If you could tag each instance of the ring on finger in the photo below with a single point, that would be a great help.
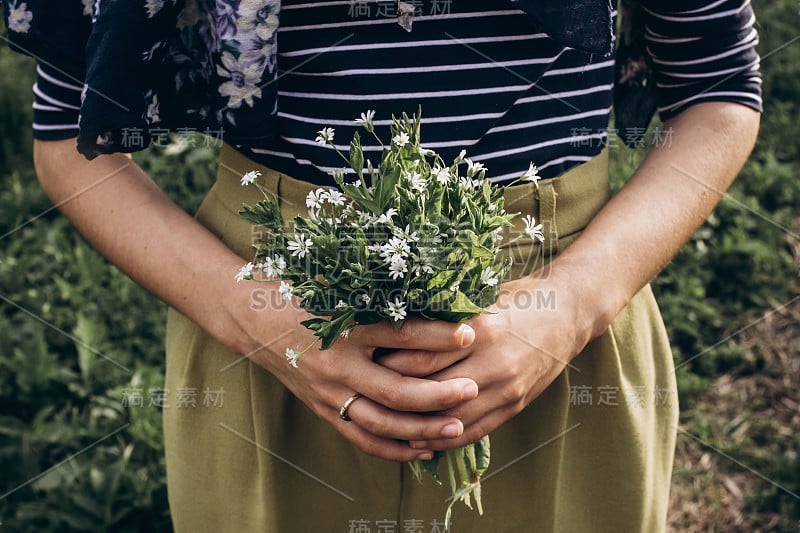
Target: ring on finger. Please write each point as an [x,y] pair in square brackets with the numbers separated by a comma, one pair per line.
[343,411]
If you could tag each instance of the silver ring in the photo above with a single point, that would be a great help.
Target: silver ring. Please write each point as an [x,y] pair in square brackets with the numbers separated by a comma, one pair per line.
[347,404]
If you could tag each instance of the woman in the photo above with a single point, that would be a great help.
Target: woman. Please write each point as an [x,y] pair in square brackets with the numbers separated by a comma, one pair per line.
[579,394]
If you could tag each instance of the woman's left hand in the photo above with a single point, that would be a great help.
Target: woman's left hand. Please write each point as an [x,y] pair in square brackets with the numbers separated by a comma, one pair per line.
[520,350]
[535,330]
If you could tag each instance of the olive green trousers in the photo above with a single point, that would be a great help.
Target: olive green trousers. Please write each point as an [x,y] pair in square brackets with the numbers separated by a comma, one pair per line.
[593,453]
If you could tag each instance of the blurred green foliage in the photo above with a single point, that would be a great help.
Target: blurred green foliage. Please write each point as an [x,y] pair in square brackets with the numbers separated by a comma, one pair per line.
[76,338]
[76,335]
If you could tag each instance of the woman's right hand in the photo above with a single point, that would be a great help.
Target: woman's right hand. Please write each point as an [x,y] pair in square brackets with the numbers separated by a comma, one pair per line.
[392,409]
[132,223]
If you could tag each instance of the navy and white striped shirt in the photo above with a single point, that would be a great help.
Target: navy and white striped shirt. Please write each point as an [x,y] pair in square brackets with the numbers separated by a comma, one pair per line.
[488,80]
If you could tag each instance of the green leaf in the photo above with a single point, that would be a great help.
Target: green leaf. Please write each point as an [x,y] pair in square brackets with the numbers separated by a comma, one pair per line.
[445,306]
[372,174]
[487,296]
[266,213]
[440,298]
[462,304]
[442,279]
[482,455]
[431,466]
[357,155]
[478,249]
[90,333]
[329,330]
[368,317]
[362,197]
[313,323]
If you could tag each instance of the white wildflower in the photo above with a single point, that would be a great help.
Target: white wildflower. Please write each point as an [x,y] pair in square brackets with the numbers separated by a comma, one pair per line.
[386,218]
[498,235]
[416,180]
[396,309]
[425,152]
[250,177]
[300,246]
[460,157]
[442,174]
[273,266]
[395,247]
[280,265]
[341,304]
[398,267]
[401,139]
[334,197]
[406,233]
[532,174]
[533,230]
[488,277]
[268,266]
[474,168]
[315,198]
[366,299]
[246,272]
[292,357]
[285,290]
[338,174]
[366,120]
[422,265]
[324,136]
[468,183]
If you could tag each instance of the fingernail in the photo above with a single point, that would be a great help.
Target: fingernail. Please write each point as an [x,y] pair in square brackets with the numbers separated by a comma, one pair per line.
[427,456]
[469,391]
[451,430]
[465,335]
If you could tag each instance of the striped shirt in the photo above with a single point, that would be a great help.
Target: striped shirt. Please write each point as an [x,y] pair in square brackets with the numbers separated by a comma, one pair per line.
[489,81]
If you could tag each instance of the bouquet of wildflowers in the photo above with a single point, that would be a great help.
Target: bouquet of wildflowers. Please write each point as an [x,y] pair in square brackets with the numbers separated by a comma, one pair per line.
[412,236]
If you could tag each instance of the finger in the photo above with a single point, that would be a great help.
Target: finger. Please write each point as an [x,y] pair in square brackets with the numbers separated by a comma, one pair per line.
[416,334]
[472,433]
[389,449]
[390,424]
[419,363]
[402,393]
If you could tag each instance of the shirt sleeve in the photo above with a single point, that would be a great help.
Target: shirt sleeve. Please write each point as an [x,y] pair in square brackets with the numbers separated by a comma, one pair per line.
[56,106]
[702,51]
[54,33]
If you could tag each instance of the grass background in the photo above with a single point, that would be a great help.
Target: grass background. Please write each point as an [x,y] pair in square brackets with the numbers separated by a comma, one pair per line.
[729,296]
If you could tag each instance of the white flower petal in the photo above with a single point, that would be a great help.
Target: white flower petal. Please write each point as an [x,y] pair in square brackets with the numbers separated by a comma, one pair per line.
[401,139]
[245,272]
[250,177]
[292,357]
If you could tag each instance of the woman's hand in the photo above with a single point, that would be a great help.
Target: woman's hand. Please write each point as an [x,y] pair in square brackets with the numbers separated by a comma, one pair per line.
[518,351]
[392,410]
